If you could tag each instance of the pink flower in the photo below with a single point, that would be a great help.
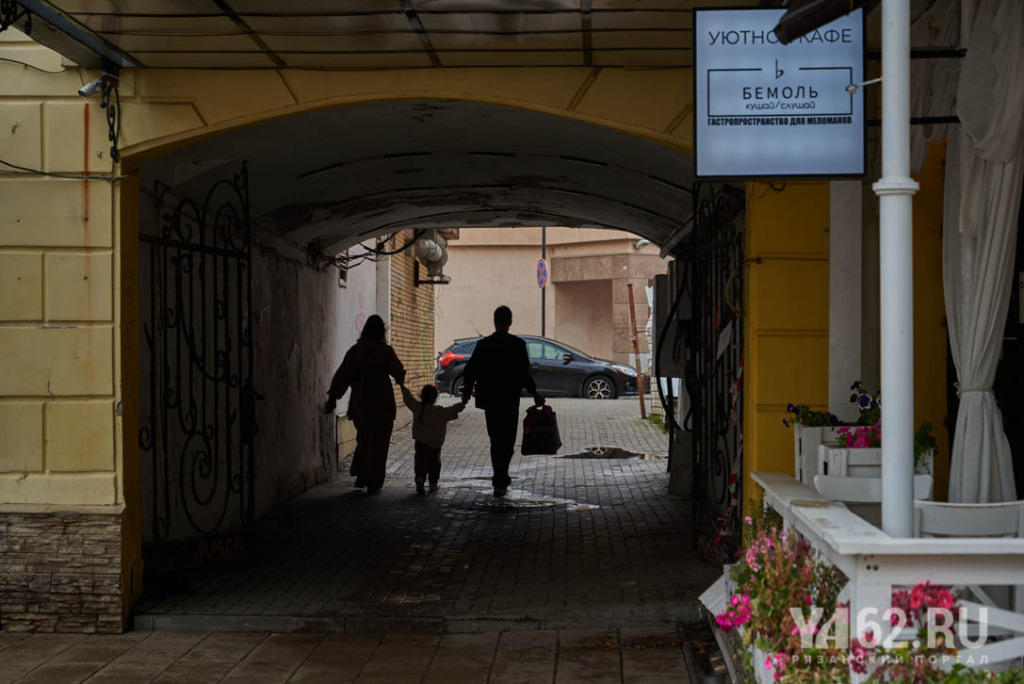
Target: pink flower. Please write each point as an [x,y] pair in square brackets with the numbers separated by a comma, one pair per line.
[780,665]
[751,559]
[748,520]
[739,615]
[917,597]
[857,655]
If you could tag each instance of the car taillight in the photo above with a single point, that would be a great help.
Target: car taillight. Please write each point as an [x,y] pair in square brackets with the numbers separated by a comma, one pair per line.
[447,358]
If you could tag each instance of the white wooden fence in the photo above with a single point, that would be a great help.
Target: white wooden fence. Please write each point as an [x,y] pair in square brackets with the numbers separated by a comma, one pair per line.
[875,563]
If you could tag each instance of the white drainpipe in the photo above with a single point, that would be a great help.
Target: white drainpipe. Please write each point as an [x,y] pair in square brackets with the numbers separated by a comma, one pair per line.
[895,191]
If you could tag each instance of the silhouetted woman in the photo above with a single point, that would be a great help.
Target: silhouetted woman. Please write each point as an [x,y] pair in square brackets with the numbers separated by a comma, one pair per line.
[371,407]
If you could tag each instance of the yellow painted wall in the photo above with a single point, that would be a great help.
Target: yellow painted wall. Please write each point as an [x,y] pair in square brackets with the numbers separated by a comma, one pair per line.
[786,354]
[59,318]
[64,442]
[169,108]
[786,310]
[930,334]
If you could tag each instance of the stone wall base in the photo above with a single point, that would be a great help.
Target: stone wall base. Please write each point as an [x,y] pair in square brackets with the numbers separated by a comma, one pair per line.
[60,569]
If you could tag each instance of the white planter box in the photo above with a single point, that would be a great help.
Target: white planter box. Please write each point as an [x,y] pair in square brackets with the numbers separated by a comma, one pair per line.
[761,673]
[861,462]
[806,441]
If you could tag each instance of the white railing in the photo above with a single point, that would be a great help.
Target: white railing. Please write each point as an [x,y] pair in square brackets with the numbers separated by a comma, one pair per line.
[874,563]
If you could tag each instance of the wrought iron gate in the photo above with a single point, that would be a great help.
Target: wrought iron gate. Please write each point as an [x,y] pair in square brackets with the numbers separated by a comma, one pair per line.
[198,418]
[714,339]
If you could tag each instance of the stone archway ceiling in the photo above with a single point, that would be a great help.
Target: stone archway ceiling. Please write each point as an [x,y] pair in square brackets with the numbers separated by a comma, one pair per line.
[342,175]
[383,34]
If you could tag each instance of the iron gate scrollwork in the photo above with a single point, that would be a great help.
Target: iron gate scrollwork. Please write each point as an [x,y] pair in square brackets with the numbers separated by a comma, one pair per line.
[714,337]
[198,419]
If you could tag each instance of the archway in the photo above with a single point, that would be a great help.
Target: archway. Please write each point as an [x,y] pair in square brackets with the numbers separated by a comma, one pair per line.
[340,177]
[352,172]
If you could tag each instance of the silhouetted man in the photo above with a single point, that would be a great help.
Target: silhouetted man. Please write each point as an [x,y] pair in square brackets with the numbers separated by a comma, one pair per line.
[500,371]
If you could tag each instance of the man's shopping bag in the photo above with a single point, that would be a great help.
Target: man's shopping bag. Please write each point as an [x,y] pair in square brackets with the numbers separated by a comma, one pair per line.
[540,431]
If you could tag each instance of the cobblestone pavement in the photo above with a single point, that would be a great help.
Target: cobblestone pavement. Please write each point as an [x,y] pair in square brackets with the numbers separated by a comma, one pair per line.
[594,542]
[626,656]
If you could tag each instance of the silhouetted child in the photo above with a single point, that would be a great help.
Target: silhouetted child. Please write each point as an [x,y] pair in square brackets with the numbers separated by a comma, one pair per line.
[429,425]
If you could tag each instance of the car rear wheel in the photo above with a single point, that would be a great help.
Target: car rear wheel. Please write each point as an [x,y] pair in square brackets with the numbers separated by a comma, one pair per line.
[598,387]
[457,387]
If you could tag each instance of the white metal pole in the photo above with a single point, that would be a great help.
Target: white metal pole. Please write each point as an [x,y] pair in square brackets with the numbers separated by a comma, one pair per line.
[895,191]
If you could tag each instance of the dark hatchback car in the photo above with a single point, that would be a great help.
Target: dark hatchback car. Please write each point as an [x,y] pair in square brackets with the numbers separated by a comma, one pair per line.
[558,369]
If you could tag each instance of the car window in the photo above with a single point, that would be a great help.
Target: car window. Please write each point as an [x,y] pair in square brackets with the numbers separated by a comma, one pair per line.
[535,349]
[562,348]
[553,353]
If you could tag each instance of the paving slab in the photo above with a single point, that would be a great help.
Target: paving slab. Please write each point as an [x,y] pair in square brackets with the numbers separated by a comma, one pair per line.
[275,659]
[580,575]
[581,540]
[127,674]
[525,657]
[518,657]
[203,672]
[223,648]
[24,655]
[61,673]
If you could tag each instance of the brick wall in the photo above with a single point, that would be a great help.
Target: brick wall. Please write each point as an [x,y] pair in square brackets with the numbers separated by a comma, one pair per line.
[412,317]
[412,336]
[60,571]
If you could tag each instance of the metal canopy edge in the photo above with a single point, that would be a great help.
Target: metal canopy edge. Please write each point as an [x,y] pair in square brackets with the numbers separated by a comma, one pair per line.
[59,32]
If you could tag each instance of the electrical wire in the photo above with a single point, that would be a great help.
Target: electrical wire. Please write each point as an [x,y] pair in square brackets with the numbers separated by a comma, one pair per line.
[32,66]
[321,260]
[416,236]
[67,176]
[375,250]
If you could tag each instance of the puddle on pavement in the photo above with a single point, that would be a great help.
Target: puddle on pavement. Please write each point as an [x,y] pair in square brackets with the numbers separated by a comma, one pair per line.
[615,453]
[470,482]
[523,500]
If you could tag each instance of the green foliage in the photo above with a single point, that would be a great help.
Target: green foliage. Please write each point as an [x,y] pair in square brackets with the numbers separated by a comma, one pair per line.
[762,518]
[914,666]
[779,570]
[803,414]
[964,675]
[658,422]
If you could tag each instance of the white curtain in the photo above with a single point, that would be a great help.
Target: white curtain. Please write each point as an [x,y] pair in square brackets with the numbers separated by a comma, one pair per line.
[984,174]
[933,82]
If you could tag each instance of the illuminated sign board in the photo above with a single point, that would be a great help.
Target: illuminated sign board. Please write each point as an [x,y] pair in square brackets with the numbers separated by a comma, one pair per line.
[767,110]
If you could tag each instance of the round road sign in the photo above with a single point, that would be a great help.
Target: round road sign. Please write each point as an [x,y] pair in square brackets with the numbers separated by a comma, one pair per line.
[542,273]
